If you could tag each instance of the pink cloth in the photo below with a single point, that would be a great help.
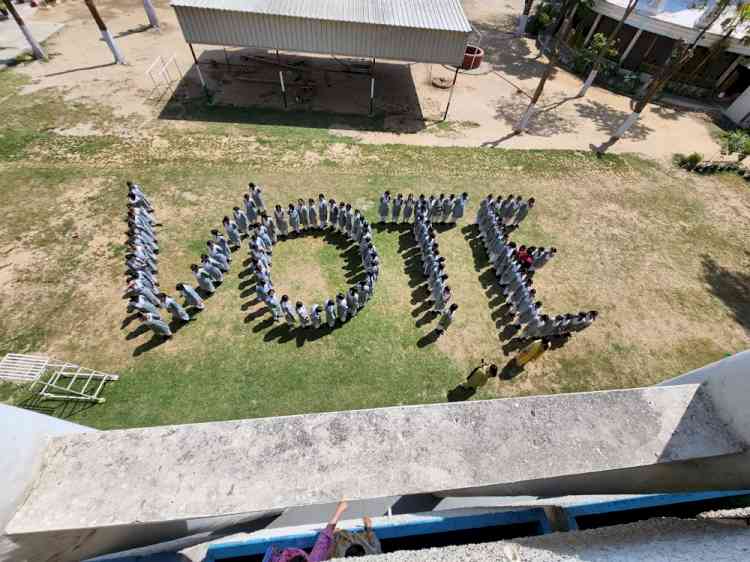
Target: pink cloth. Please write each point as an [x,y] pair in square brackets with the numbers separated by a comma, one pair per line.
[321,550]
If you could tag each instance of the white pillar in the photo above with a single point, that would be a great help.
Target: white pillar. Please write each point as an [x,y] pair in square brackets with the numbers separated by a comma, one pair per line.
[728,71]
[522,20]
[153,21]
[740,108]
[592,30]
[630,46]
[588,82]
[525,119]
[107,36]
[36,48]
[629,122]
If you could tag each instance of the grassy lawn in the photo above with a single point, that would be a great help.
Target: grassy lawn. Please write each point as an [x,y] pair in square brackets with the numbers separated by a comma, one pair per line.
[661,254]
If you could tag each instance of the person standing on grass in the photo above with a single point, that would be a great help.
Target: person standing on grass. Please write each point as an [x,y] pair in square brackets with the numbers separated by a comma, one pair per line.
[221,243]
[174,308]
[158,326]
[330,313]
[459,207]
[532,352]
[286,308]
[446,319]
[316,313]
[212,269]
[342,308]
[480,375]
[192,298]
[523,209]
[342,217]
[272,302]
[398,203]
[313,213]
[203,279]
[334,208]
[448,204]
[304,214]
[321,551]
[352,301]
[281,224]
[323,211]
[385,201]
[408,207]
[217,256]
[257,194]
[293,219]
[251,211]
[303,315]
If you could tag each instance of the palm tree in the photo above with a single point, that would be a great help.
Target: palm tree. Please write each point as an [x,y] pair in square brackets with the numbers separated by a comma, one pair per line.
[524,17]
[680,55]
[559,31]
[604,49]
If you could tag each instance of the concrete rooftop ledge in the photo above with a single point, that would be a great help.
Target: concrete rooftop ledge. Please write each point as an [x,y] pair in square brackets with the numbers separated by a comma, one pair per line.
[173,473]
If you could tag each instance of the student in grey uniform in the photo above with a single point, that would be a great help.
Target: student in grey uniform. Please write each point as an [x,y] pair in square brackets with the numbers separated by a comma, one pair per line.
[136,288]
[459,207]
[257,194]
[334,214]
[398,203]
[293,219]
[304,214]
[221,242]
[219,257]
[212,268]
[385,201]
[303,315]
[203,279]
[408,207]
[251,211]
[352,301]
[273,304]
[174,308]
[271,229]
[316,316]
[142,304]
[240,219]
[542,256]
[323,211]
[233,233]
[582,321]
[286,308]
[330,313]
[262,290]
[342,309]
[158,326]
[342,218]
[281,224]
[523,209]
[446,319]
[192,298]
[448,207]
[313,213]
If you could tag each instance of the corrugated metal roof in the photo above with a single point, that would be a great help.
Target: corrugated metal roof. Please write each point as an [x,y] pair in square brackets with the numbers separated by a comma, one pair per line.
[444,15]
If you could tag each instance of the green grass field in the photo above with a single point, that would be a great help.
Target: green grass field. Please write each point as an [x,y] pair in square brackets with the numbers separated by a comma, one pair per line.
[659,253]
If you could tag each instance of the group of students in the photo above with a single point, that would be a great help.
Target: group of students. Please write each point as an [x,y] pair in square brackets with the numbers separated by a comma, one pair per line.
[515,267]
[436,209]
[325,214]
[142,262]
[433,265]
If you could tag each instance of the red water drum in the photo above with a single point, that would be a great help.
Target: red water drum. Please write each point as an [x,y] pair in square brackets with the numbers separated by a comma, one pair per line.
[472,57]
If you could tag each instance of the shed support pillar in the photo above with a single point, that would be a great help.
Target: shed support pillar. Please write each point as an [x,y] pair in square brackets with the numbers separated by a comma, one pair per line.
[630,46]
[450,96]
[198,68]
[283,88]
[592,30]
[728,71]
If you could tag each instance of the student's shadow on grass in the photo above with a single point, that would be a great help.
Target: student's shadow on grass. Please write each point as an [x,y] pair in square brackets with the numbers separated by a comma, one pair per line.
[140,330]
[254,315]
[427,318]
[128,320]
[392,226]
[153,343]
[511,370]
[428,339]
[460,393]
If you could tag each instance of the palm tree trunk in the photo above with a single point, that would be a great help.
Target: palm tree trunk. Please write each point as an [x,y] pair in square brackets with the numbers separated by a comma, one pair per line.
[554,55]
[604,48]
[681,54]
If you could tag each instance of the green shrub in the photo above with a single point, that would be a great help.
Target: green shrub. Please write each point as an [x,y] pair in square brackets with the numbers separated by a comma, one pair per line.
[736,142]
[688,162]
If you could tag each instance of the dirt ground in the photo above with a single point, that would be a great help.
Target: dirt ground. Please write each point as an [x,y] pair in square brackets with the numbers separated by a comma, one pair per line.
[486,103]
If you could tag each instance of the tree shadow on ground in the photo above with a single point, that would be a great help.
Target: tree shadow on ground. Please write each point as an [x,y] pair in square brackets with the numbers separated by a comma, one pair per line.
[607,119]
[510,55]
[668,113]
[545,122]
[731,287]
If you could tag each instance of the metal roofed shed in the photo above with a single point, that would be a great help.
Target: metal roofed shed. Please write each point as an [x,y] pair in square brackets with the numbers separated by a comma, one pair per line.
[434,31]
[403,31]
